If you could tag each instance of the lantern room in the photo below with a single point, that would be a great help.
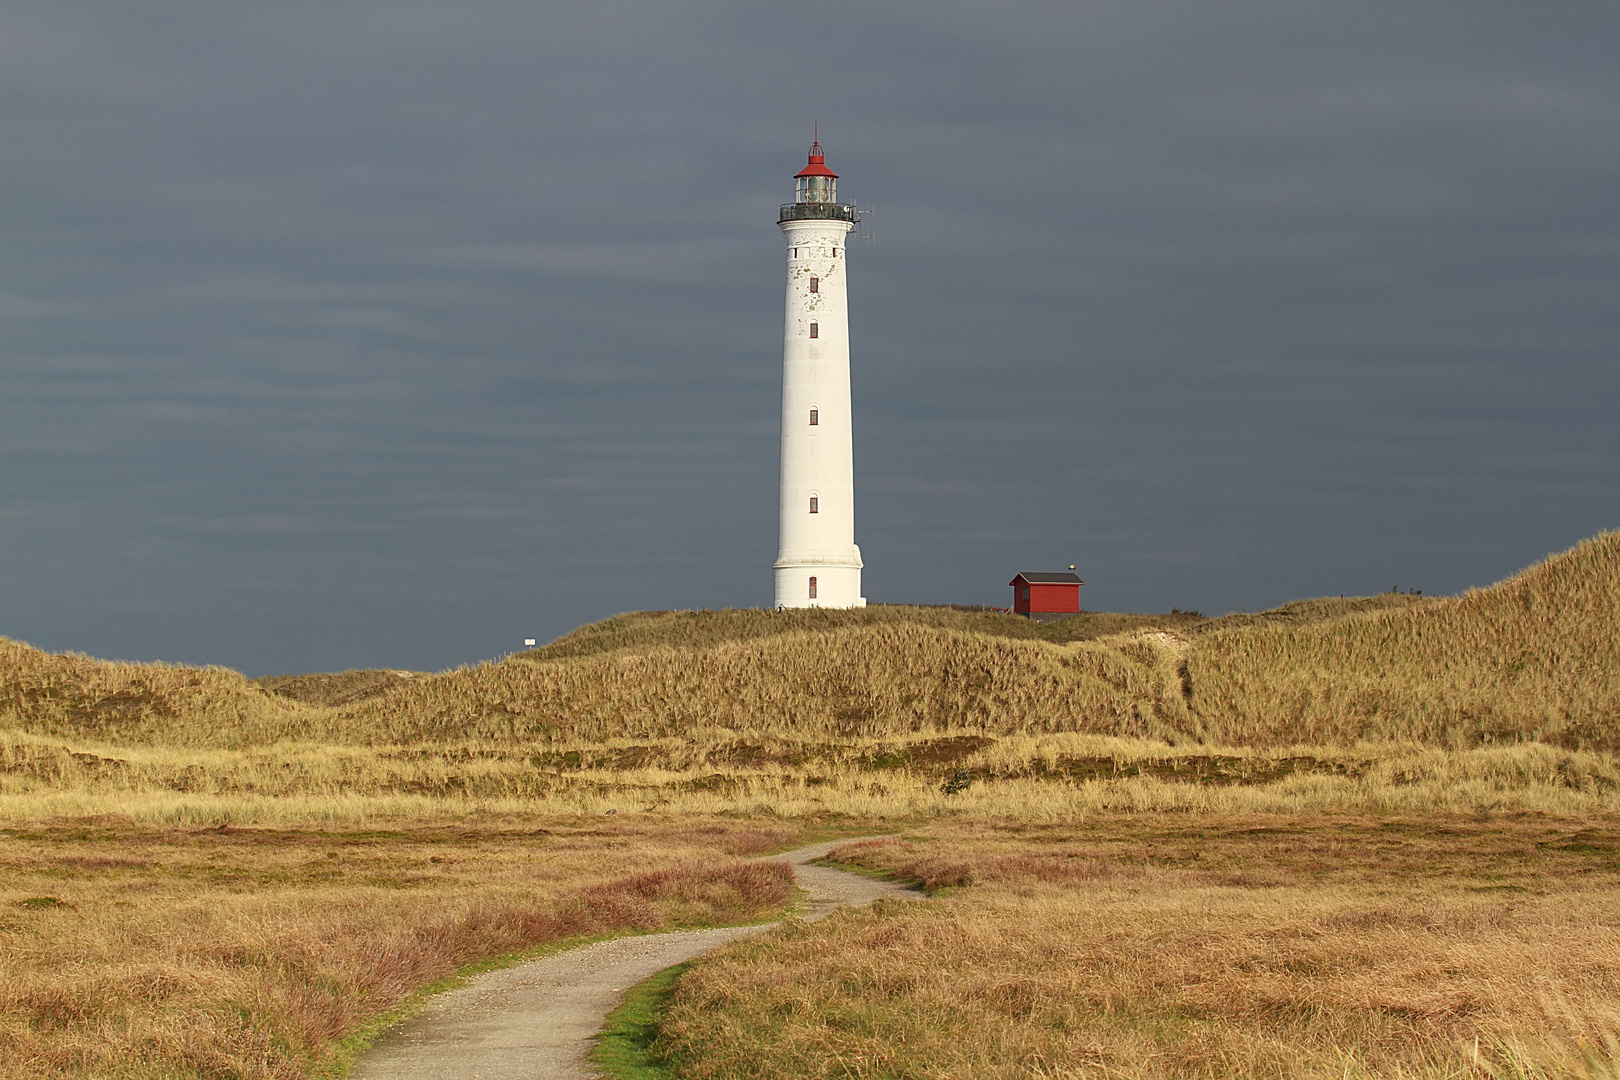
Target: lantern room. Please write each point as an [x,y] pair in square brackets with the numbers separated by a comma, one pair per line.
[817,183]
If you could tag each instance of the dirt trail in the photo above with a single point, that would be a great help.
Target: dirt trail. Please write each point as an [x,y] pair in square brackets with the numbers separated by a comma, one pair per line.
[535,1021]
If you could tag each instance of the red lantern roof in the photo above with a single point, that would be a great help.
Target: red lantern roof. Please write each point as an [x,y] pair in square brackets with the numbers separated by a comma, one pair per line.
[818,163]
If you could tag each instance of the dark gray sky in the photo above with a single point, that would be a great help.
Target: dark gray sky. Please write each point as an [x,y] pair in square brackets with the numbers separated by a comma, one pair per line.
[392,333]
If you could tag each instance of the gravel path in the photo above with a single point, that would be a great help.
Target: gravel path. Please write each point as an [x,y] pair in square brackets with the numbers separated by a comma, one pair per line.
[536,1021]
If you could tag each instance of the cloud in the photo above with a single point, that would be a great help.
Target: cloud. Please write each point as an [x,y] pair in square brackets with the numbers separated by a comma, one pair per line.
[393,334]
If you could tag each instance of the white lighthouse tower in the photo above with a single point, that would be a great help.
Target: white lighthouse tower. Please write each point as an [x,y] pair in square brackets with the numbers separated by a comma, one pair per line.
[818,564]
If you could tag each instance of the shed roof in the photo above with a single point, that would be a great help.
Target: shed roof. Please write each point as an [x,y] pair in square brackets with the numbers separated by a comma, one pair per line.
[1034,577]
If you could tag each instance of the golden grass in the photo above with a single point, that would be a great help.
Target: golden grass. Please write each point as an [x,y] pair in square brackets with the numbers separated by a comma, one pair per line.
[1533,658]
[72,694]
[335,688]
[1165,947]
[1036,778]
[639,631]
[144,952]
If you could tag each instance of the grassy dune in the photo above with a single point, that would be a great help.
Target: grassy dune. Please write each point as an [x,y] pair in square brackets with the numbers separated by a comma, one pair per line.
[813,676]
[74,696]
[1504,698]
[1532,658]
[692,710]
[1536,657]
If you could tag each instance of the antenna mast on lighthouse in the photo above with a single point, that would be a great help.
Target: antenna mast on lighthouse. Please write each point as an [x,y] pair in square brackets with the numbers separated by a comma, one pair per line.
[817,564]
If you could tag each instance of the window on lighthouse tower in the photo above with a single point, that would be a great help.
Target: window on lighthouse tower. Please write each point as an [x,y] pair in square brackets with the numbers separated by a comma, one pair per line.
[815,504]
[812,588]
[815,417]
[815,284]
[815,330]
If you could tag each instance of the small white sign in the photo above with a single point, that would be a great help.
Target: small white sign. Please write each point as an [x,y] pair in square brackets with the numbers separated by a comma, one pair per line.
[529,641]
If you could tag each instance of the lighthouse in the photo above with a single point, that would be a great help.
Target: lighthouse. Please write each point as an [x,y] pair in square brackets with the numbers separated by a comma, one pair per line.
[817,562]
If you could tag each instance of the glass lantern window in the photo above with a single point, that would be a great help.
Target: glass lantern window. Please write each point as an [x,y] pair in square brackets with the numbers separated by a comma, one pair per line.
[817,189]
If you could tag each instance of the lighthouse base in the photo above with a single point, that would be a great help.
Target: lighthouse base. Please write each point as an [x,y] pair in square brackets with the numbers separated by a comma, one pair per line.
[808,584]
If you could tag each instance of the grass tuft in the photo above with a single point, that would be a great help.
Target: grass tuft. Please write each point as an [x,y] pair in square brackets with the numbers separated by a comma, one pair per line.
[626,1048]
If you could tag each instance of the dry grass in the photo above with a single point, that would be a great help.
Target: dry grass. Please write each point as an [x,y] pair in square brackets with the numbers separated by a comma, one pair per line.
[1534,658]
[72,694]
[336,688]
[639,631]
[145,952]
[1035,778]
[1167,947]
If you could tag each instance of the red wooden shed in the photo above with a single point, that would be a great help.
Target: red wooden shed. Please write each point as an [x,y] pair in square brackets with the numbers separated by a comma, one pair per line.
[1036,594]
